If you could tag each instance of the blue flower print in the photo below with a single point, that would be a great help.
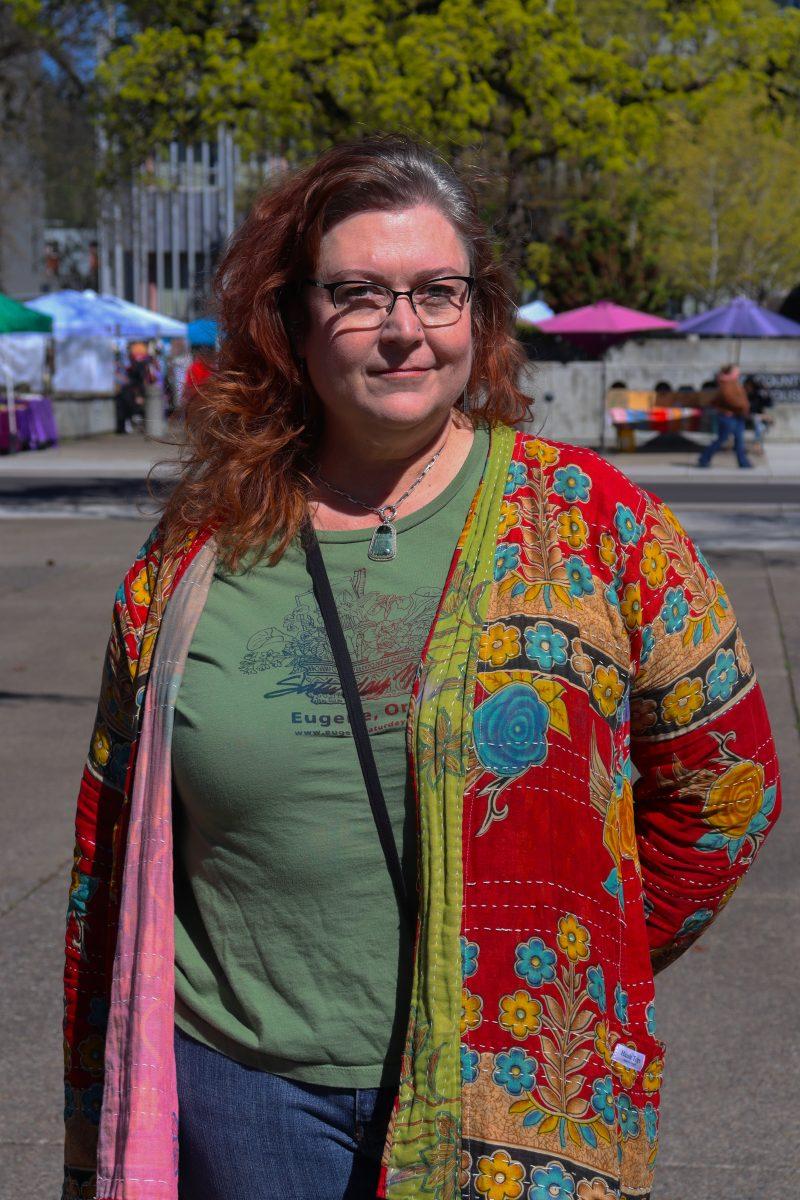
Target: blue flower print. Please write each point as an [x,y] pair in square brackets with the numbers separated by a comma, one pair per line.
[580,577]
[91,1100]
[621,1004]
[628,1117]
[545,645]
[506,559]
[650,1018]
[511,730]
[673,614]
[82,888]
[650,1121]
[628,528]
[535,963]
[514,1070]
[516,478]
[596,986]
[612,591]
[722,675]
[552,1183]
[571,483]
[469,1064]
[648,644]
[469,958]
[695,922]
[603,1098]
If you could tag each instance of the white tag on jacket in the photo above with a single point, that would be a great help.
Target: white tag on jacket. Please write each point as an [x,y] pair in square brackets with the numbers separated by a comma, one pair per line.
[629,1057]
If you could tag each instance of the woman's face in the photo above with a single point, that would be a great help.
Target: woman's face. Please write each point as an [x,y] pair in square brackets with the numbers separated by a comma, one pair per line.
[401,375]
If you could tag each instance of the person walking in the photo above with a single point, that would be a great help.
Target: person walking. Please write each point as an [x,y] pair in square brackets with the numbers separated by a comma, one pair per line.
[733,407]
[365,900]
[131,396]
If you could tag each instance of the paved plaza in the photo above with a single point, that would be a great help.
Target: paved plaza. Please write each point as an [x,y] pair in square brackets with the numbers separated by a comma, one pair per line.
[727,1009]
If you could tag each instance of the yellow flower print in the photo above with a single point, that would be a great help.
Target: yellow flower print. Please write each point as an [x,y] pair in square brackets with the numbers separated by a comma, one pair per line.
[607,689]
[735,798]
[679,706]
[572,528]
[601,1044]
[654,563]
[101,746]
[742,656]
[500,1177]
[471,1006]
[594,1189]
[672,520]
[573,938]
[631,605]
[546,455]
[651,1080]
[509,517]
[499,643]
[519,1014]
[140,588]
[608,549]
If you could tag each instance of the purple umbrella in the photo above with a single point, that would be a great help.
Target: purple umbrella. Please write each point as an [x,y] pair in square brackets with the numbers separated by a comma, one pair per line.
[598,326]
[742,318]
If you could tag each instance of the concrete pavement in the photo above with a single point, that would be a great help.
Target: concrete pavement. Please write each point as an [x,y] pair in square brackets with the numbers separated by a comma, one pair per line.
[731,1123]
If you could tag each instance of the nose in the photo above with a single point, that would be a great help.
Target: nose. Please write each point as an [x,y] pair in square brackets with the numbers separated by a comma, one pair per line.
[402,323]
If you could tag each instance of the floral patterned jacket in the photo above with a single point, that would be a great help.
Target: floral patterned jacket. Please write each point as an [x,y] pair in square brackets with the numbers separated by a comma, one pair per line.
[580,635]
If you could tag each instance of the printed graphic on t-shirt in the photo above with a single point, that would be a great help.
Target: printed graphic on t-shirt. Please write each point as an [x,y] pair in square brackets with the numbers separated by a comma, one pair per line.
[385,635]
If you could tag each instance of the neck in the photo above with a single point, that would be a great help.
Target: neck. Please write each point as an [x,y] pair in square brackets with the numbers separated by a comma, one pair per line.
[371,469]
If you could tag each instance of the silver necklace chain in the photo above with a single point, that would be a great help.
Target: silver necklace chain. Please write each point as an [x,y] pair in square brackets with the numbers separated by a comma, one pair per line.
[386,513]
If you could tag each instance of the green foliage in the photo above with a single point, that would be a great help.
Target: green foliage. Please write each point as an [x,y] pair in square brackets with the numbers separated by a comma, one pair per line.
[560,106]
[729,222]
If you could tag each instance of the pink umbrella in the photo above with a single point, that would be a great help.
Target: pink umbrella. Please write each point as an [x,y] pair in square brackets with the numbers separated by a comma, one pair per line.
[598,326]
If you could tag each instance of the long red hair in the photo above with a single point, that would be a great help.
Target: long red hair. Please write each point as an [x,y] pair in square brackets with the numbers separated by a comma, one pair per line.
[251,429]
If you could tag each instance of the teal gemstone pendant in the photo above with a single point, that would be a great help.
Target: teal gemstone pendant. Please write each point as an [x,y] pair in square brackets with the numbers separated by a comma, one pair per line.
[383,543]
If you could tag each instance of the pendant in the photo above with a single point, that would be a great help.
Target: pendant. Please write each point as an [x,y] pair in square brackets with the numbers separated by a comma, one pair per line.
[383,543]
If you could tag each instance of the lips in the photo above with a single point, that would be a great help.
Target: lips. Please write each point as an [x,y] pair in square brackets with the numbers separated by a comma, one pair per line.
[402,370]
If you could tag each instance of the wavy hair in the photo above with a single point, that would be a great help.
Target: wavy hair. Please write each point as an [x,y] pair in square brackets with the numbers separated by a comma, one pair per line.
[252,427]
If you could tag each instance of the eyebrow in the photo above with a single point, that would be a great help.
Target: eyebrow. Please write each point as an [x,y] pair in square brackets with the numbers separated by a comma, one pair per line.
[371,276]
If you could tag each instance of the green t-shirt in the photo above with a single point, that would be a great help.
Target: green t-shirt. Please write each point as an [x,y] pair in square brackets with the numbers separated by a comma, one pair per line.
[290,952]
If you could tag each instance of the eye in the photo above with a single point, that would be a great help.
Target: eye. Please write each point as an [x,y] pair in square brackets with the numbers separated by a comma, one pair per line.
[439,291]
[348,294]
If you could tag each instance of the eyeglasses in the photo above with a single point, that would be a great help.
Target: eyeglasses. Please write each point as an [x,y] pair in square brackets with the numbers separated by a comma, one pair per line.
[365,305]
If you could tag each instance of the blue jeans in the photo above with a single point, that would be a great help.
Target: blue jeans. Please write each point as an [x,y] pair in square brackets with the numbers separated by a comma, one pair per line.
[245,1134]
[727,425]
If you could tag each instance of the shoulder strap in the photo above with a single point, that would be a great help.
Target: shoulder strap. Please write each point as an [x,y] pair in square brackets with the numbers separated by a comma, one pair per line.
[355,711]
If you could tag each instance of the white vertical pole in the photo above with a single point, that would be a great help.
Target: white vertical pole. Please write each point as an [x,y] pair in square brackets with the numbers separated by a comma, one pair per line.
[191,238]
[119,258]
[159,203]
[175,228]
[136,218]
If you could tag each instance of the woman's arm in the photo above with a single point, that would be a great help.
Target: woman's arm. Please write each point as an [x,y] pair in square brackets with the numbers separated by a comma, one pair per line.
[92,910]
[709,786]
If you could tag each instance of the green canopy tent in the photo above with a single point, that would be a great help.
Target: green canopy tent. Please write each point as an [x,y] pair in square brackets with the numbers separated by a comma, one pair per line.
[16,318]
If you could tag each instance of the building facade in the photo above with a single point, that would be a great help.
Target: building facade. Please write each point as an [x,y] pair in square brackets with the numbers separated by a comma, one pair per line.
[160,236]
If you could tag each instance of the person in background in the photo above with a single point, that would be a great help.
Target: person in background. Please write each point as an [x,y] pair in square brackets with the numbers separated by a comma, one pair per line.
[759,399]
[132,393]
[201,367]
[733,406]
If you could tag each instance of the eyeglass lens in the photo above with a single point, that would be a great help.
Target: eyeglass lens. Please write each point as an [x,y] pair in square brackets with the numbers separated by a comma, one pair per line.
[439,302]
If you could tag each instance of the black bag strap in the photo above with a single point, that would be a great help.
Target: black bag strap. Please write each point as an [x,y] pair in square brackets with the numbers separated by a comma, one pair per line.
[355,711]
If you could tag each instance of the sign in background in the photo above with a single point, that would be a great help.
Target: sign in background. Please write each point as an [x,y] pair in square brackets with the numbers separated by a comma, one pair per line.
[783,388]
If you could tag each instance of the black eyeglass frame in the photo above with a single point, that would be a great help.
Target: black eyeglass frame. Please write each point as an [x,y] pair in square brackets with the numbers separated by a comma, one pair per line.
[330,288]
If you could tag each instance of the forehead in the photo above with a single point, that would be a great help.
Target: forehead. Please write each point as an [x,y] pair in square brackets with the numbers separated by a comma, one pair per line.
[393,244]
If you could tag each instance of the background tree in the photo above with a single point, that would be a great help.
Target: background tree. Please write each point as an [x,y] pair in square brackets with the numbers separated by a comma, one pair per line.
[729,222]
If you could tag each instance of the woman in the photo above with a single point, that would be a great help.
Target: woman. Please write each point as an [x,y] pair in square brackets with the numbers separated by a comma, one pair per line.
[466,990]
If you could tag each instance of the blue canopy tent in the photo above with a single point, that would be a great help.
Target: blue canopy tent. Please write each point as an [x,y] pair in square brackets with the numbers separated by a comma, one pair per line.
[89,314]
[203,332]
